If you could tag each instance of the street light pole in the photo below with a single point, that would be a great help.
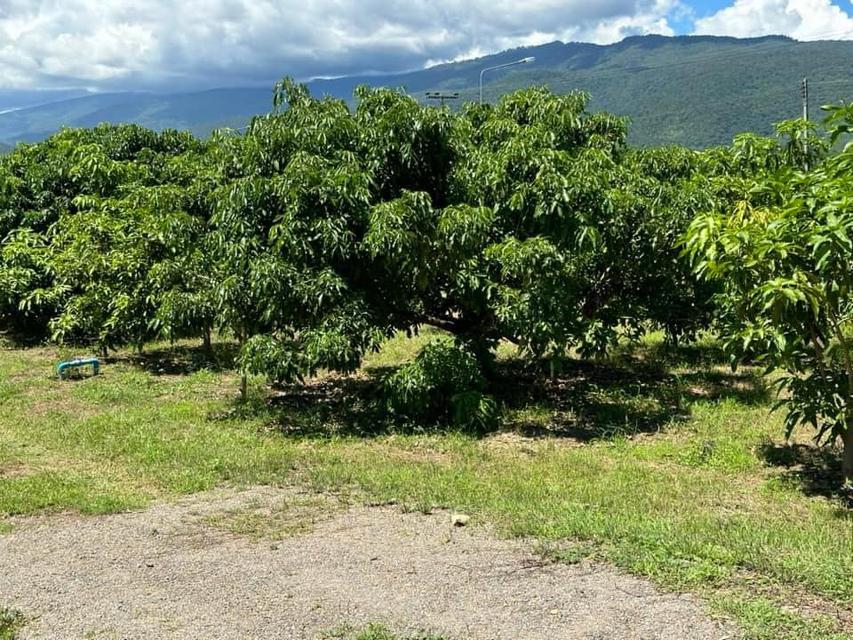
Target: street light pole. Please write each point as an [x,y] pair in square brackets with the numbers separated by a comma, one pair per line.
[502,66]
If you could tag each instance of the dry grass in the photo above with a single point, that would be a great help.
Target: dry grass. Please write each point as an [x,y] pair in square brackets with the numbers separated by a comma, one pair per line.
[266,519]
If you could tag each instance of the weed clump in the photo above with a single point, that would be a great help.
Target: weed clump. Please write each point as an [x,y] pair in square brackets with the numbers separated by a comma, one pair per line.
[443,383]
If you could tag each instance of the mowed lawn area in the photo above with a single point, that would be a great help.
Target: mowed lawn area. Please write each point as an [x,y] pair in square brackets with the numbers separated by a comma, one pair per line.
[664,463]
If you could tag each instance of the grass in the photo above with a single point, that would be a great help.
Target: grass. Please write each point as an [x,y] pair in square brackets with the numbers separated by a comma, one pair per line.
[763,619]
[283,518]
[372,632]
[11,622]
[664,463]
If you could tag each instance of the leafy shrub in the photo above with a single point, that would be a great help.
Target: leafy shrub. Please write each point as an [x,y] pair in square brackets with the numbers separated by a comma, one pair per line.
[443,383]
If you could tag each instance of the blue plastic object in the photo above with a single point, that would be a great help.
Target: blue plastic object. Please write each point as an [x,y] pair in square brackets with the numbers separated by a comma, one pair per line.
[64,367]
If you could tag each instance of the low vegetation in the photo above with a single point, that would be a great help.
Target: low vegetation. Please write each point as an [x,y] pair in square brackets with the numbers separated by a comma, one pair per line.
[373,632]
[661,461]
[11,622]
[275,520]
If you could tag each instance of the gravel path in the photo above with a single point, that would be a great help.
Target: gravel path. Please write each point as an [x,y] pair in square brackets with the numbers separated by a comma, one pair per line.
[169,573]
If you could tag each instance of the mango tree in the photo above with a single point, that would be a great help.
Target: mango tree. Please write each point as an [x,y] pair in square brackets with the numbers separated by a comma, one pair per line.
[782,257]
[84,217]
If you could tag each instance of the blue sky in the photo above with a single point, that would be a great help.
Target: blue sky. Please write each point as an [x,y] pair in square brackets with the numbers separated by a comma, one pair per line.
[190,44]
[699,8]
[707,7]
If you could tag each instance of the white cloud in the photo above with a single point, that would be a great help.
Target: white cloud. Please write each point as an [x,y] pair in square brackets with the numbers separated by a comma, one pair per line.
[800,19]
[150,43]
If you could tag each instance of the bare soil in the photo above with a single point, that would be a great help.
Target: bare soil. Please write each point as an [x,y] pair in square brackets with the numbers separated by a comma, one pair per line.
[202,567]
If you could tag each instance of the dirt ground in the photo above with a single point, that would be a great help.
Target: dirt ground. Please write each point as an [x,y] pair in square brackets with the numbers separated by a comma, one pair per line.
[272,563]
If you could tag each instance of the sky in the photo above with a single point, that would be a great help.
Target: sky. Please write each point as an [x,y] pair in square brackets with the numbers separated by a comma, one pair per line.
[195,44]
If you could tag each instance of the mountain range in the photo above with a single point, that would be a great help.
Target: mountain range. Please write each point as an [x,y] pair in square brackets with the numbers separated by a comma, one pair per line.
[690,90]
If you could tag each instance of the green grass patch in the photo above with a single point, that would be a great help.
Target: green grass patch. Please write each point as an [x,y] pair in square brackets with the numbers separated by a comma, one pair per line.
[11,622]
[57,490]
[764,619]
[662,462]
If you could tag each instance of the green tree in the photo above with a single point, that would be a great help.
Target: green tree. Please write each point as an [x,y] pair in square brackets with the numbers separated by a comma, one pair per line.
[530,222]
[322,230]
[782,257]
[85,216]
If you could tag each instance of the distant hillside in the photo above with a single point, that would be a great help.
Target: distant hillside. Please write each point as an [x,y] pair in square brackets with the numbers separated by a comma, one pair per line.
[696,90]
[701,91]
[11,99]
[199,112]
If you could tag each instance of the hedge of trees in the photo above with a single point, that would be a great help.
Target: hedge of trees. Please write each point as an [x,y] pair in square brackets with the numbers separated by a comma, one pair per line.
[320,231]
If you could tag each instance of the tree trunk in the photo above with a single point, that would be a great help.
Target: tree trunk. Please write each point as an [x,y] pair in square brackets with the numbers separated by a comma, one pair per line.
[244,379]
[847,436]
[483,351]
[847,455]
[207,343]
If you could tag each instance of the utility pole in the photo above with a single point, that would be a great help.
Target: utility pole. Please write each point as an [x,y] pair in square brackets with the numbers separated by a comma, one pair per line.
[438,95]
[804,90]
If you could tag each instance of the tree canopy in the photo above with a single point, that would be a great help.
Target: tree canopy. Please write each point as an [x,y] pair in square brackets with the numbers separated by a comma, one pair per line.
[322,230]
[783,257]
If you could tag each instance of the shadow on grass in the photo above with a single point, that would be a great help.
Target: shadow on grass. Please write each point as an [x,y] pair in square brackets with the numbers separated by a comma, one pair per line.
[587,400]
[183,359]
[582,400]
[22,338]
[701,354]
[331,406]
[815,471]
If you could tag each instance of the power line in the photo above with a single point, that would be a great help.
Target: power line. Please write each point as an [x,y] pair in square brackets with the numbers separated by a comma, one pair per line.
[838,81]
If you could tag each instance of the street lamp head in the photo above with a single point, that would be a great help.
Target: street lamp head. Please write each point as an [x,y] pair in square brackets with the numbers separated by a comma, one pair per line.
[527,60]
